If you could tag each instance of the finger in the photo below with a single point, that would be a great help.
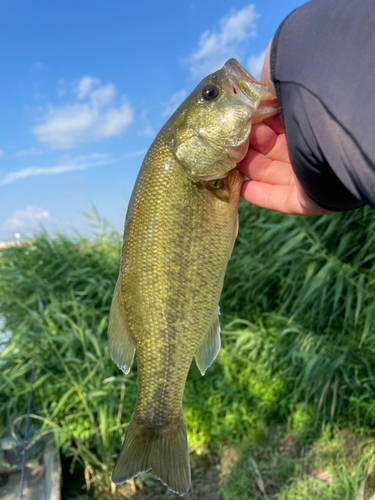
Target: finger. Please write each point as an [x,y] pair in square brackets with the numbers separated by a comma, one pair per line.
[279,198]
[266,70]
[269,97]
[262,138]
[275,123]
[260,168]
[279,150]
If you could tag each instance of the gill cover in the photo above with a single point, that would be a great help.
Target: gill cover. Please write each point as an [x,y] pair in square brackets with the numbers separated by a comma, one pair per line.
[200,157]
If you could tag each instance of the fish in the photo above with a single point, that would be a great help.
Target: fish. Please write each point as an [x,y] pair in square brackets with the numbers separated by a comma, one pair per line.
[180,228]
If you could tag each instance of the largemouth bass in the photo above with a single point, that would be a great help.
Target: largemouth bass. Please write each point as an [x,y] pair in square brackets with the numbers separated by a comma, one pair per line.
[180,228]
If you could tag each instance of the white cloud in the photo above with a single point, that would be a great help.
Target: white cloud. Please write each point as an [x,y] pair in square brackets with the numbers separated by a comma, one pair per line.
[146,132]
[85,86]
[173,103]
[92,116]
[255,64]
[70,165]
[216,46]
[28,152]
[61,87]
[1,152]
[37,66]
[21,219]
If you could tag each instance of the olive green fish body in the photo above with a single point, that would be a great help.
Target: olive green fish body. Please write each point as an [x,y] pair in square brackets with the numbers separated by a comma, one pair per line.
[179,233]
[177,243]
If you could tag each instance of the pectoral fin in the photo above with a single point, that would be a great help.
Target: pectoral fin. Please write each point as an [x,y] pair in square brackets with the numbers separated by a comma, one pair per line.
[210,346]
[120,343]
[234,235]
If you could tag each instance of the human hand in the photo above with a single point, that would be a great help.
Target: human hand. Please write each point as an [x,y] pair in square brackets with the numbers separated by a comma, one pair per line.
[272,183]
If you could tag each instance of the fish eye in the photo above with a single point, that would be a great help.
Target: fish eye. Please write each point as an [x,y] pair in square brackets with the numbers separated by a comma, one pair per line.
[210,92]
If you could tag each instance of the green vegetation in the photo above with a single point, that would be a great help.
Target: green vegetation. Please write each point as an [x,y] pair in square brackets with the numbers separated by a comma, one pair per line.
[337,465]
[298,318]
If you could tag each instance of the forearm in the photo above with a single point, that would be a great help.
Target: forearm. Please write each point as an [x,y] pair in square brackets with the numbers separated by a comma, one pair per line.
[321,64]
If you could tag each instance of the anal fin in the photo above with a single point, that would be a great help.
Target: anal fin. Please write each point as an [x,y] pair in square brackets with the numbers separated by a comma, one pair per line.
[120,343]
[209,348]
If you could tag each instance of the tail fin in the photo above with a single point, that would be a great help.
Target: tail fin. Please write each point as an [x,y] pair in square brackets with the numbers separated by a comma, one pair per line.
[165,454]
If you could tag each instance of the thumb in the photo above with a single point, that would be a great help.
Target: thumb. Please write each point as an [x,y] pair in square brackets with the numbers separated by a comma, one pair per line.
[266,71]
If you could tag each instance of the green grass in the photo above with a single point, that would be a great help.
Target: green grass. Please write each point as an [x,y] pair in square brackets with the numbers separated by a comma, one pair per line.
[333,467]
[307,287]
[298,338]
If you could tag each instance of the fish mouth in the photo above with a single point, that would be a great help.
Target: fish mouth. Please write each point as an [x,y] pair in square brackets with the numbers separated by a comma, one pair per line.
[233,67]
[246,87]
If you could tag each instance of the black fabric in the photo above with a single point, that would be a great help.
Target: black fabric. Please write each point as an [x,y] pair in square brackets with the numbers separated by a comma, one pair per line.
[323,68]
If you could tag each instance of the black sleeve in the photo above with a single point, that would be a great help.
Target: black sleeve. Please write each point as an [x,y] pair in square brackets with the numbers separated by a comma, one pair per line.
[323,68]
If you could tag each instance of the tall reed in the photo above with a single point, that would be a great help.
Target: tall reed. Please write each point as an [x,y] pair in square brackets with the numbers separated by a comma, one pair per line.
[298,327]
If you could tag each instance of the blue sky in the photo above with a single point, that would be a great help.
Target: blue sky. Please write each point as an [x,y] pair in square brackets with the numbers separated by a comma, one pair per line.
[86,85]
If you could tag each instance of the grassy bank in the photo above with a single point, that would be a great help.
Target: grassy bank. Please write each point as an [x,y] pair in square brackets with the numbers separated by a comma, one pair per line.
[298,347]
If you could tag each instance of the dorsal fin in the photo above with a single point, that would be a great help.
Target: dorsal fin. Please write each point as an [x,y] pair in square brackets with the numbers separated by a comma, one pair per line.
[210,346]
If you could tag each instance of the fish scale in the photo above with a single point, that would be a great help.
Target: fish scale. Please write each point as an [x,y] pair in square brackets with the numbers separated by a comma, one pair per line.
[179,233]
